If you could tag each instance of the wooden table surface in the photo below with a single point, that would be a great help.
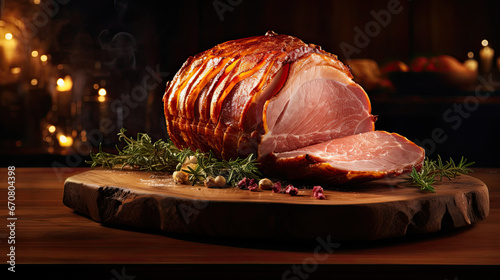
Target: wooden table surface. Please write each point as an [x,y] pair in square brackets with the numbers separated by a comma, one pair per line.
[49,234]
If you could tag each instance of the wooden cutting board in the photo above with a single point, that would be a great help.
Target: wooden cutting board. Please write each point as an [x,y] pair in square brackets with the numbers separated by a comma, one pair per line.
[380,209]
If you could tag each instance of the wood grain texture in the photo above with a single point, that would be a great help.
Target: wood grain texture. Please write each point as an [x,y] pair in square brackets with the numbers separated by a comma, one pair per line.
[48,232]
[377,210]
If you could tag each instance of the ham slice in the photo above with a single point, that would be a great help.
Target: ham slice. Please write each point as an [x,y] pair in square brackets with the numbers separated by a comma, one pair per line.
[359,157]
[293,105]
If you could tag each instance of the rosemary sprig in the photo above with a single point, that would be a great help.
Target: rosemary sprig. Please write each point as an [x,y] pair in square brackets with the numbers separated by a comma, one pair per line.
[163,156]
[433,170]
[232,170]
[138,153]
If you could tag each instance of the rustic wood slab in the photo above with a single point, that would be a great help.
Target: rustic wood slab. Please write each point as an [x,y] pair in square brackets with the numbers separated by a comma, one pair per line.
[380,209]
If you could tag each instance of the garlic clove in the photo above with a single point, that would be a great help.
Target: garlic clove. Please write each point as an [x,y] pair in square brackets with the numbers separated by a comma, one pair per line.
[220,181]
[265,184]
[210,182]
[180,177]
[190,160]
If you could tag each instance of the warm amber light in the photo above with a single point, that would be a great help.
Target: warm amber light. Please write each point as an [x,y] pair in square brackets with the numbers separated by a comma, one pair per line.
[34,53]
[83,133]
[101,98]
[52,129]
[484,43]
[65,141]
[95,86]
[15,70]
[36,2]
[470,55]
[44,57]
[102,92]
[64,84]
[8,36]
[34,82]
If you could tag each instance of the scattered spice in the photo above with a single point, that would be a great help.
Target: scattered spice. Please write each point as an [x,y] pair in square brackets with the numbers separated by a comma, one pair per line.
[318,192]
[251,184]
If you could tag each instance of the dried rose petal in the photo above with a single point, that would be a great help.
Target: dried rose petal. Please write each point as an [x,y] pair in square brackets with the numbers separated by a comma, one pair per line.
[291,190]
[317,189]
[318,192]
[252,185]
[320,196]
[243,183]
[277,187]
[252,182]
[248,184]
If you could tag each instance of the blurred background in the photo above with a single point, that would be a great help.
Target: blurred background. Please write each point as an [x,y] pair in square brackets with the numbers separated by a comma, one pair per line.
[73,72]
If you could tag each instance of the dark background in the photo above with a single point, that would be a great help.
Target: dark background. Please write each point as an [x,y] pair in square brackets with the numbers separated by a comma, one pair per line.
[128,37]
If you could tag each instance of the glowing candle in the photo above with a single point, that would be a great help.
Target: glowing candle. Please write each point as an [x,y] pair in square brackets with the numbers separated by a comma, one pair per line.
[65,141]
[64,85]
[471,63]
[64,96]
[8,46]
[486,55]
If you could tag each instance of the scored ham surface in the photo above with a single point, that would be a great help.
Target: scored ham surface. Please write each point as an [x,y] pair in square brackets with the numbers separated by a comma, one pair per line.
[293,105]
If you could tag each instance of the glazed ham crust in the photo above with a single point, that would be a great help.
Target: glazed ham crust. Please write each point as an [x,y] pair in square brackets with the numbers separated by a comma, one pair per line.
[270,96]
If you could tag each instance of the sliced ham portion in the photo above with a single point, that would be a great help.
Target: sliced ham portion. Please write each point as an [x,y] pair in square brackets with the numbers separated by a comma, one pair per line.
[318,103]
[293,105]
[358,157]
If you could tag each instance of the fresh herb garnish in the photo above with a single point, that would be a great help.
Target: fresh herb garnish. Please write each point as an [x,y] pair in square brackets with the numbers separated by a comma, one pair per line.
[163,156]
[436,170]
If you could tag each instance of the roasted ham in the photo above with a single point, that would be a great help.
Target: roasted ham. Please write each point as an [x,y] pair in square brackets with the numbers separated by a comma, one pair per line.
[293,105]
